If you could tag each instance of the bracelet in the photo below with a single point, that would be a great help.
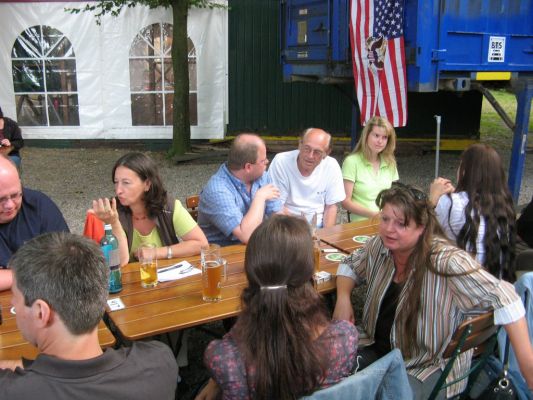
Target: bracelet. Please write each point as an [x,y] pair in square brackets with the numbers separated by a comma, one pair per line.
[169,252]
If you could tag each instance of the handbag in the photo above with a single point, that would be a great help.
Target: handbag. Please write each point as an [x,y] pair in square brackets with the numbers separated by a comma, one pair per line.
[501,387]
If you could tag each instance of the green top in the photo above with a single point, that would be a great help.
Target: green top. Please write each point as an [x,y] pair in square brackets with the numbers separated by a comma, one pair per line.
[367,185]
[183,224]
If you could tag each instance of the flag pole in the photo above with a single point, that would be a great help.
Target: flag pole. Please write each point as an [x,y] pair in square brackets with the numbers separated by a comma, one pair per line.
[437,153]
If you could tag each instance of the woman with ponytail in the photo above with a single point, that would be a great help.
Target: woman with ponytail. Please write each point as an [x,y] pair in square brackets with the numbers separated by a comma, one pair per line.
[283,345]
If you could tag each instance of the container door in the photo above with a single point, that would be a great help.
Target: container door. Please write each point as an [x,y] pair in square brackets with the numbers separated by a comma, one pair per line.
[485,35]
[307,30]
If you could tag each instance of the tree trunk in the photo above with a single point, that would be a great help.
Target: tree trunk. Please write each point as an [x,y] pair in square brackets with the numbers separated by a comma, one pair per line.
[181,132]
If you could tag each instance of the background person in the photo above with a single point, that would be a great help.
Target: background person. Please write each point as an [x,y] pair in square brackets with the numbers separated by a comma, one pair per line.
[24,214]
[145,213]
[11,136]
[240,194]
[479,214]
[419,289]
[369,169]
[310,181]
[59,296]
[283,345]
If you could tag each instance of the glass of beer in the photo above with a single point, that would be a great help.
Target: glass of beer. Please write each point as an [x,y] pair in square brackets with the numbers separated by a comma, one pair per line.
[213,272]
[316,254]
[312,220]
[148,263]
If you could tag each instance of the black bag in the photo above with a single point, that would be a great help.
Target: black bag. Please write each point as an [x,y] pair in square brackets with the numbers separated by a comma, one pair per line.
[501,387]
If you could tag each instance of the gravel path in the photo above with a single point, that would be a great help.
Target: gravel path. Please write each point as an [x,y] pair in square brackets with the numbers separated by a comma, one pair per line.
[73,177]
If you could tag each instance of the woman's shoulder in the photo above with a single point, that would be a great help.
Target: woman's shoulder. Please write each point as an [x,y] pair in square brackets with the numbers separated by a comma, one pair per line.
[224,348]
[342,329]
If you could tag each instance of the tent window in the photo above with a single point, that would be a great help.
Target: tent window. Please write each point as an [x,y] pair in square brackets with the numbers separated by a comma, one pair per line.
[152,77]
[44,78]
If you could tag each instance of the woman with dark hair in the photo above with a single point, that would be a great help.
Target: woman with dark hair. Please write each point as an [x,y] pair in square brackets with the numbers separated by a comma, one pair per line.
[479,213]
[283,345]
[419,289]
[10,139]
[145,213]
[369,169]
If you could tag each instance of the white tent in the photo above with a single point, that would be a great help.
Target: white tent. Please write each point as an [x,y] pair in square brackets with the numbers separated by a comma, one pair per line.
[64,77]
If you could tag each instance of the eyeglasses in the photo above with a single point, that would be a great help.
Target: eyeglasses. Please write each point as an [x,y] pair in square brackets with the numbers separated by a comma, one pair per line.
[314,152]
[12,197]
[417,194]
[262,162]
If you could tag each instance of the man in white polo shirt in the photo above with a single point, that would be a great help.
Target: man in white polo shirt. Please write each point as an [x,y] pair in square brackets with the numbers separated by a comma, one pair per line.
[309,179]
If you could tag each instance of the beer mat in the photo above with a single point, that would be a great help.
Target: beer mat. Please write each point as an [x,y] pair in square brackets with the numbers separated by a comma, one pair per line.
[177,271]
[361,238]
[335,256]
[115,304]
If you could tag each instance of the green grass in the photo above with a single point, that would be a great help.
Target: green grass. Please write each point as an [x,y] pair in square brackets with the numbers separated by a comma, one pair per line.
[493,130]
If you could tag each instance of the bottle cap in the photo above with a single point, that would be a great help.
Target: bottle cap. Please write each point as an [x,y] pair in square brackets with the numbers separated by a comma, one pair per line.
[107,226]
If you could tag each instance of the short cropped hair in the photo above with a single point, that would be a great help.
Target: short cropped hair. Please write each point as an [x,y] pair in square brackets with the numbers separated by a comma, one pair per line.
[66,271]
[242,152]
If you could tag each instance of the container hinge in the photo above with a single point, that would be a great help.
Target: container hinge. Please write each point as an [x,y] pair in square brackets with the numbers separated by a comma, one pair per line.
[438,54]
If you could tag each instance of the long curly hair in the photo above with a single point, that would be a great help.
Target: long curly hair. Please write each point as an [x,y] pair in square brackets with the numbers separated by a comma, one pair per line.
[155,199]
[277,329]
[482,177]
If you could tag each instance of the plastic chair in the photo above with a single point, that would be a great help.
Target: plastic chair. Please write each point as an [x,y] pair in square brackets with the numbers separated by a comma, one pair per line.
[384,379]
[192,205]
[478,333]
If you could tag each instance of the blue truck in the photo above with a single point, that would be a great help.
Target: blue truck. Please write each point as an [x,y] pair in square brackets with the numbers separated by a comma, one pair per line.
[450,45]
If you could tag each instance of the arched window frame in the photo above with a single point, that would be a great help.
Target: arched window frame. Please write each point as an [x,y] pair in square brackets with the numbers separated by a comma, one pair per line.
[150,88]
[44,70]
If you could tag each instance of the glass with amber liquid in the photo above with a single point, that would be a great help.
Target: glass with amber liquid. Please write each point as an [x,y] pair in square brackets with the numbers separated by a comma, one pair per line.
[148,267]
[213,272]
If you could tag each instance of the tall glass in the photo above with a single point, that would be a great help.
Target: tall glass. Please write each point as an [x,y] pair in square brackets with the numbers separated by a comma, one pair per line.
[148,261]
[213,272]
[312,219]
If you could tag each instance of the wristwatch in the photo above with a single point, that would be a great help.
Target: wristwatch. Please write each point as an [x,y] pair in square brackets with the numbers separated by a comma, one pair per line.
[169,252]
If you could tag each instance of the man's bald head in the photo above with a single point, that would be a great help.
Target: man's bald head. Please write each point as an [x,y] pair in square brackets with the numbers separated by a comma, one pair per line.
[10,190]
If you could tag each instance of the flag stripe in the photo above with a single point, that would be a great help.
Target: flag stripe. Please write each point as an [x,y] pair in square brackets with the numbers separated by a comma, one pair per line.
[380,91]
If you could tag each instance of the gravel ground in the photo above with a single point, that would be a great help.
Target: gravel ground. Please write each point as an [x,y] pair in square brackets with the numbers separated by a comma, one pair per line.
[73,177]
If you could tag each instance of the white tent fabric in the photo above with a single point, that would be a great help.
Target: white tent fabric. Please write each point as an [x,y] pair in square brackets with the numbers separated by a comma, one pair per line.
[102,67]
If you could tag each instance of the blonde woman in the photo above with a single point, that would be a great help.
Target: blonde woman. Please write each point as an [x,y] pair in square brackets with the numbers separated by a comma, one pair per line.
[370,169]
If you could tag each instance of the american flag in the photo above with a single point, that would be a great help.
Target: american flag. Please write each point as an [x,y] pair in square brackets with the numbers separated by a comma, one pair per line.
[376,33]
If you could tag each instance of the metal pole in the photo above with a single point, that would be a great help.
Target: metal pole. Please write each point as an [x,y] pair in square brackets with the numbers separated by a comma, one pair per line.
[437,153]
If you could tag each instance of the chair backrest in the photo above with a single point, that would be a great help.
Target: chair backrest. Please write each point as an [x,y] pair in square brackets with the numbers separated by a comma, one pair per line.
[192,205]
[478,333]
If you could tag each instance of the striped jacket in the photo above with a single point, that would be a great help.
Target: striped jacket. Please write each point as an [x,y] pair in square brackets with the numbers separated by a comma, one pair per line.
[444,302]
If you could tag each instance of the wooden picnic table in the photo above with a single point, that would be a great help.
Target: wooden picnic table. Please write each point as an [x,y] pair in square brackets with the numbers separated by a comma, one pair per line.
[348,237]
[13,346]
[175,305]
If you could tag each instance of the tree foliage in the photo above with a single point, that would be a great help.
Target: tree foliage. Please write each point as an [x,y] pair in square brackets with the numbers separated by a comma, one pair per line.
[181,131]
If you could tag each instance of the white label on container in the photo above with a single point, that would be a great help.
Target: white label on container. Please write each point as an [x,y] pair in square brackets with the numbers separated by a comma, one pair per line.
[496,49]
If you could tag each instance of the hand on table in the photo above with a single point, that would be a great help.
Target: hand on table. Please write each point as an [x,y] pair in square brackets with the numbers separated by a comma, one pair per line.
[105,210]
[439,187]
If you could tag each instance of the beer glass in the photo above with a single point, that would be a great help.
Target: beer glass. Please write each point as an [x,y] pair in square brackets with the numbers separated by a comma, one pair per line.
[213,272]
[311,219]
[148,261]
[316,254]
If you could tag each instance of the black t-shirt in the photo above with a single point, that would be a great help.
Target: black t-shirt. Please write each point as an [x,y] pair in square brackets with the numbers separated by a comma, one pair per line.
[385,319]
